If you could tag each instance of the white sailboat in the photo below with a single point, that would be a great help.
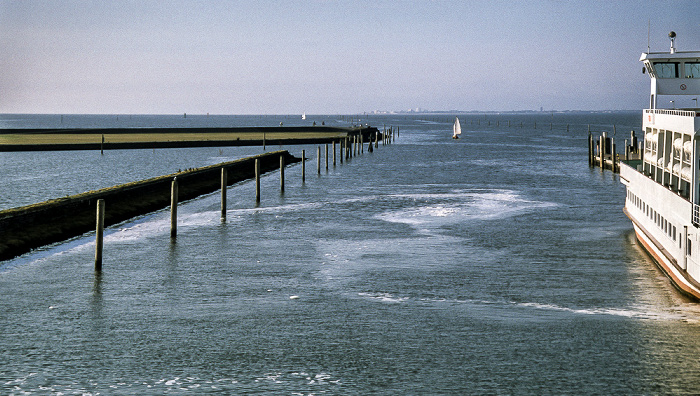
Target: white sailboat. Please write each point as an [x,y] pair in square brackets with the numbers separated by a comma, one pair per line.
[456,129]
[303,116]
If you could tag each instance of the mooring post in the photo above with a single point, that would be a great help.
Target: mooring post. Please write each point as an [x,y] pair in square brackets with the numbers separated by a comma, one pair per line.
[303,166]
[99,231]
[604,149]
[257,180]
[264,140]
[102,145]
[173,208]
[362,144]
[318,160]
[612,154]
[334,153]
[326,156]
[341,151]
[282,173]
[224,183]
[590,163]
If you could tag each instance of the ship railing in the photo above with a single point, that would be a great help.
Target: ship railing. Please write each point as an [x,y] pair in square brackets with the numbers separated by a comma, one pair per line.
[696,215]
[684,113]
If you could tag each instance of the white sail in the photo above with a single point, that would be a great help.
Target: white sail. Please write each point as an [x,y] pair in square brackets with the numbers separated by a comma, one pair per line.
[303,116]
[456,128]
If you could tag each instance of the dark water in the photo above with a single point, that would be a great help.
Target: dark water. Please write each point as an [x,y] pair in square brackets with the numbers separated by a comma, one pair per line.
[495,264]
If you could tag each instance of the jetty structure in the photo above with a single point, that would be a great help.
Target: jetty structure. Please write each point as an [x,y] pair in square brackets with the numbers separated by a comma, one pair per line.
[50,139]
[25,228]
[663,188]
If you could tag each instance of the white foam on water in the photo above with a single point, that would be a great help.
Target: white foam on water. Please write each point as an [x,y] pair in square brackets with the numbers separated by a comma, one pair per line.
[635,312]
[435,210]
[384,297]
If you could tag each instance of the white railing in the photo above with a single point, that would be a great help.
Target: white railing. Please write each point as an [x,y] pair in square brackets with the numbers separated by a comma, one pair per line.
[696,215]
[684,113]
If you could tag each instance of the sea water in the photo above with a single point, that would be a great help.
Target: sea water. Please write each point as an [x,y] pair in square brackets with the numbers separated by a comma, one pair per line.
[498,263]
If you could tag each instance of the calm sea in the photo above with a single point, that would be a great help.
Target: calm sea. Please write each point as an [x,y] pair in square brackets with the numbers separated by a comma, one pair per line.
[499,263]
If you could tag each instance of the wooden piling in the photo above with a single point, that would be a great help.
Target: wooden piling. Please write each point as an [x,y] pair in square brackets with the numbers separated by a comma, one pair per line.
[326,156]
[173,208]
[590,148]
[334,153]
[282,173]
[318,159]
[102,148]
[612,154]
[99,231]
[257,181]
[303,166]
[224,184]
[601,149]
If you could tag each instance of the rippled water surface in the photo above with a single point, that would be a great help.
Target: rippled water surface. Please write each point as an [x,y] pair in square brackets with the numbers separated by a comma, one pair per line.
[495,264]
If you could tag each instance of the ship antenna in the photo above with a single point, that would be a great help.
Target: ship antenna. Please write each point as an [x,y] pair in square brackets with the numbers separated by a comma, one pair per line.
[648,33]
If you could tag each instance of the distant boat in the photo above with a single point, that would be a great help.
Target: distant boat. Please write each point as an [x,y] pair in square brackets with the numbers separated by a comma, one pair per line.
[303,116]
[456,129]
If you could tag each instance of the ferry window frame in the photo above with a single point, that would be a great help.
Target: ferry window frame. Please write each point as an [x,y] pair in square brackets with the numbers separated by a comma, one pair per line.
[692,69]
[666,69]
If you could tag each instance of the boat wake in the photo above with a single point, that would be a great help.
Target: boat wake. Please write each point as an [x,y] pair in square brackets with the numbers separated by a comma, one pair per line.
[530,309]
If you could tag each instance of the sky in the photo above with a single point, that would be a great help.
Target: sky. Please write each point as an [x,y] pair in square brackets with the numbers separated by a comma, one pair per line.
[332,57]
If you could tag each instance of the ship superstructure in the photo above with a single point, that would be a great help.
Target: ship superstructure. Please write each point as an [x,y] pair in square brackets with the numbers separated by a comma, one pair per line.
[663,192]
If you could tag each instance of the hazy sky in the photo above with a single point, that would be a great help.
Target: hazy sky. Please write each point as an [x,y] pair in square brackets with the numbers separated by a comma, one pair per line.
[282,57]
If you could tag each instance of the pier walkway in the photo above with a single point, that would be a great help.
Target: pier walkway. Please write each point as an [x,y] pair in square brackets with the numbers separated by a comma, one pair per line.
[147,138]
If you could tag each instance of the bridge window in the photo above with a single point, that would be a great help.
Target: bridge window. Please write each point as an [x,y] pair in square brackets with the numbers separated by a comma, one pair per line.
[692,70]
[666,69]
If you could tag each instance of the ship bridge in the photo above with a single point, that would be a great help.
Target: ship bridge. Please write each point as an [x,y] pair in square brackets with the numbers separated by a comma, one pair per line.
[673,72]
[672,136]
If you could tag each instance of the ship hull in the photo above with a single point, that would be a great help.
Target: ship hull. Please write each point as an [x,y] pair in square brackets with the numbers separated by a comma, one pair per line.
[678,277]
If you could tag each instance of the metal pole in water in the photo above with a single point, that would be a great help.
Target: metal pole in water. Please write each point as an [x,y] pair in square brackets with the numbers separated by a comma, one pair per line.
[257,180]
[99,234]
[173,208]
[224,183]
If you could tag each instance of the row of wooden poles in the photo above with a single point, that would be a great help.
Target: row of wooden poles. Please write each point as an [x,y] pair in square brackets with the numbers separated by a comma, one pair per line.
[349,147]
[604,148]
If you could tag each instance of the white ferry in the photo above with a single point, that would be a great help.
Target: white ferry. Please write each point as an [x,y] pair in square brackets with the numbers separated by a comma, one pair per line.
[663,191]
